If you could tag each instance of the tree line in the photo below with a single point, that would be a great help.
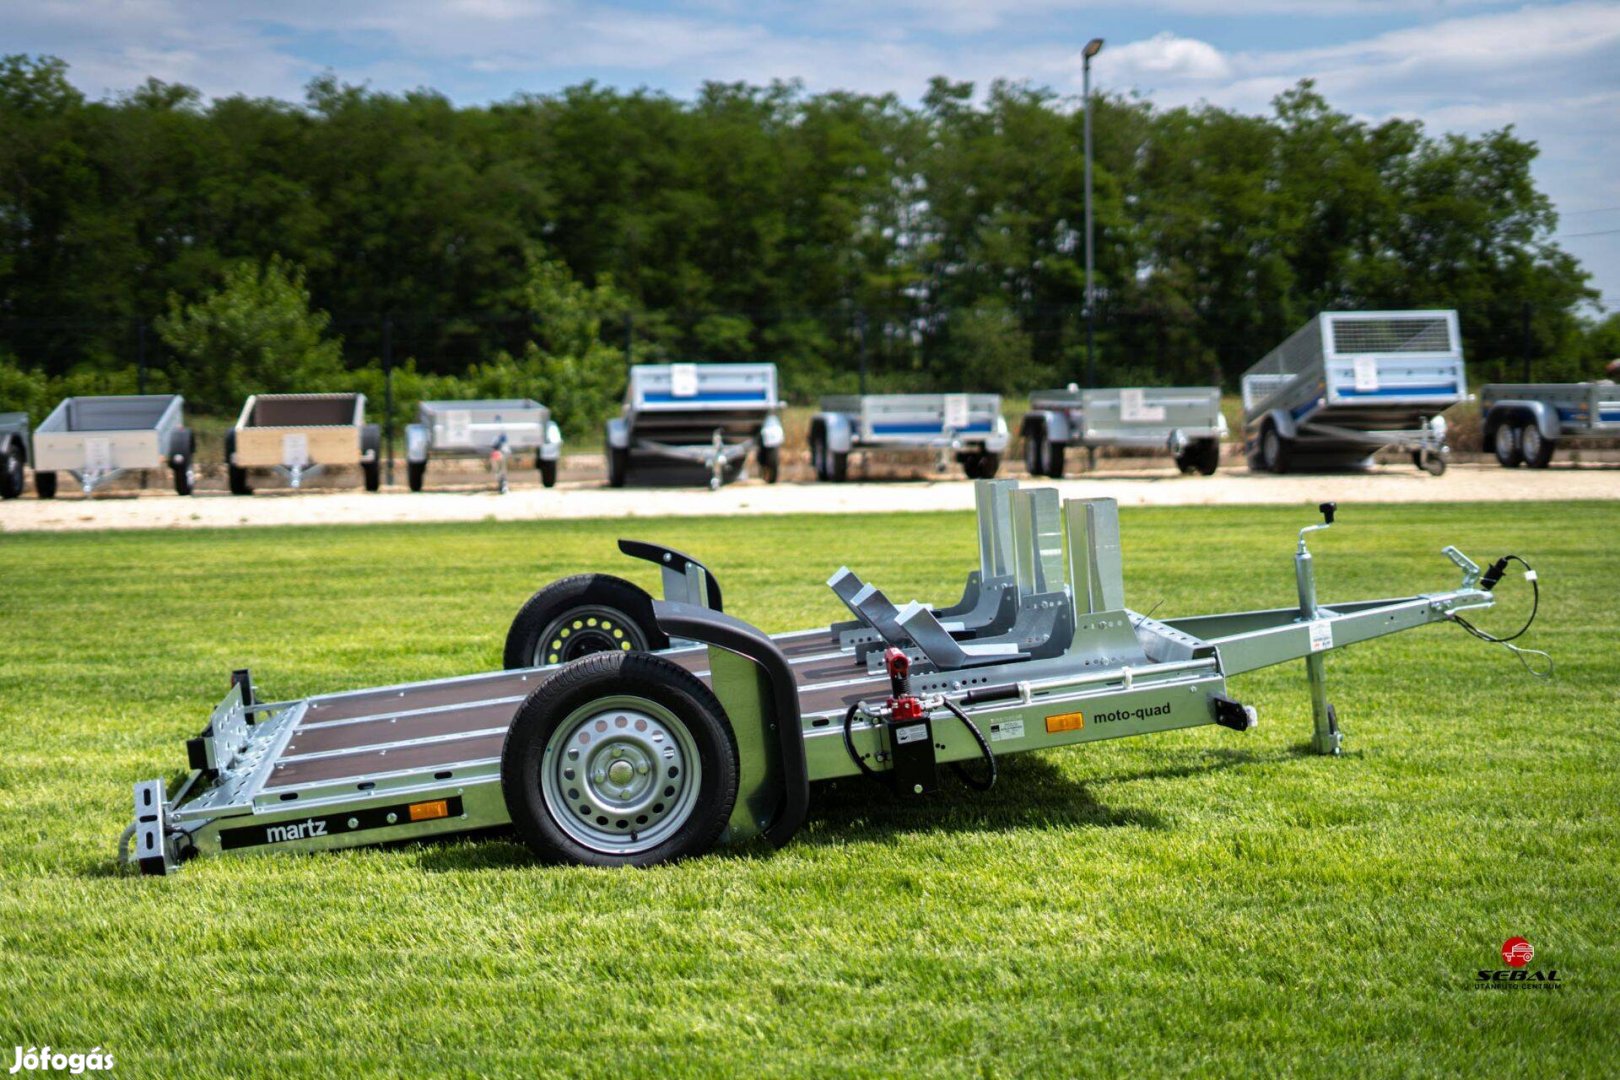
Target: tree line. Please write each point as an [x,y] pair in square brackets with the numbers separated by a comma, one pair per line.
[937,244]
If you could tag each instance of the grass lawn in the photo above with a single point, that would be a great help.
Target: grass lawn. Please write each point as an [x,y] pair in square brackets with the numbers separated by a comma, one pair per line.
[1201,901]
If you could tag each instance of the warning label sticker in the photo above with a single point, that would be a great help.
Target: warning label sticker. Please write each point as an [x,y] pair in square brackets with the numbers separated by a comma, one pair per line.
[910,734]
[1321,635]
[1007,729]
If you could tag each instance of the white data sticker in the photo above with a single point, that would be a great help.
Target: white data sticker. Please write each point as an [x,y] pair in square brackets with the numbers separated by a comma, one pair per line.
[98,456]
[1134,409]
[1007,729]
[910,734]
[295,449]
[1366,373]
[1321,635]
[683,380]
[956,411]
[457,427]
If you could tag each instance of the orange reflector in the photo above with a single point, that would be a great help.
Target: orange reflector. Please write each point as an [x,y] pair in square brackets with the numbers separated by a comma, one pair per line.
[1069,721]
[427,811]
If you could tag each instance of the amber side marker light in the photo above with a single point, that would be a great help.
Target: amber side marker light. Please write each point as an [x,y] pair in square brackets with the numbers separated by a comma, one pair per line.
[427,811]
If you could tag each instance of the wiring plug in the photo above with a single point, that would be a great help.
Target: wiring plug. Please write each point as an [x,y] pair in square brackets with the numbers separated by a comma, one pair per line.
[1494,574]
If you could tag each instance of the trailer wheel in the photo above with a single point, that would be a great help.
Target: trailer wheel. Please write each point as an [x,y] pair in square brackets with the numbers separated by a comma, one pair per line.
[12,478]
[770,463]
[1035,448]
[1505,444]
[415,474]
[371,442]
[830,465]
[1274,449]
[618,463]
[45,485]
[580,615]
[980,464]
[182,460]
[620,759]
[237,478]
[548,471]
[1202,456]
[1537,450]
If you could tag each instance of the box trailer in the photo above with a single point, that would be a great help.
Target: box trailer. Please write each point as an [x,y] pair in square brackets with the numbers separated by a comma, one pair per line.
[1184,421]
[494,430]
[653,730]
[1349,383]
[712,415]
[15,454]
[968,427]
[300,435]
[1525,422]
[98,439]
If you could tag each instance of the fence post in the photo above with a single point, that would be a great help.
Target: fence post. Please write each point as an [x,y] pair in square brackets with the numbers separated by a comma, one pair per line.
[140,357]
[388,395]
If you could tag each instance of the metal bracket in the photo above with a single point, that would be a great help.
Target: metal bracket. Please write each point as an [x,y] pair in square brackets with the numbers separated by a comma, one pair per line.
[151,829]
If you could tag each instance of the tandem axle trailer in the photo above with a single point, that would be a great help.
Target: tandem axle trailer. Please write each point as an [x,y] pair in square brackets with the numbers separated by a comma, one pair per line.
[654,730]
[1525,422]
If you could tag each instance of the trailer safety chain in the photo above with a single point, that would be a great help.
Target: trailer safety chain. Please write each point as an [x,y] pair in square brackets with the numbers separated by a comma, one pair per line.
[1488,583]
[967,778]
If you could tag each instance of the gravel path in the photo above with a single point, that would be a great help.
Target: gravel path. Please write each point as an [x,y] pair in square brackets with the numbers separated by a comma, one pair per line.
[588,499]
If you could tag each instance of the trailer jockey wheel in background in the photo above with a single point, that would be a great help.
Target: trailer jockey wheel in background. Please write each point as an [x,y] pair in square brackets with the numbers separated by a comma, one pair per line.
[1432,463]
[621,759]
[580,615]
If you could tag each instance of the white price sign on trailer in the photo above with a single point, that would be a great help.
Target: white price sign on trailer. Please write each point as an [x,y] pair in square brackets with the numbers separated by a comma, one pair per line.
[1365,372]
[1134,409]
[98,455]
[457,427]
[956,411]
[683,380]
[295,449]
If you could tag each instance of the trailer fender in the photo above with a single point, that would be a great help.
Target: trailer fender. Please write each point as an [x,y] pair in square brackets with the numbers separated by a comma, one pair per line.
[998,438]
[617,433]
[1283,420]
[417,438]
[770,433]
[1055,424]
[840,432]
[551,447]
[10,439]
[1517,414]
[755,685]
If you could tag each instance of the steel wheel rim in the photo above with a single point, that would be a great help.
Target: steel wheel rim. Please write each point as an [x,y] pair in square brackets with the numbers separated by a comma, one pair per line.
[1504,444]
[1269,446]
[586,630]
[1530,439]
[620,775]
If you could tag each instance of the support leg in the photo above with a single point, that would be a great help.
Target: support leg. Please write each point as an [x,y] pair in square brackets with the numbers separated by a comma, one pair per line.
[1325,739]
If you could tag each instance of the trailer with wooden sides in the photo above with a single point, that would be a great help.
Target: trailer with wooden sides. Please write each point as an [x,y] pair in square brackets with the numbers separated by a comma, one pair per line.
[494,429]
[966,427]
[98,439]
[1184,421]
[1525,423]
[300,435]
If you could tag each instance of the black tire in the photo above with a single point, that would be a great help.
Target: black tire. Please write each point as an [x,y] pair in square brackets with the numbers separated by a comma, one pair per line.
[1505,445]
[371,442]
[1204,456]
[12,477]
[770,463]
[667,698]
[182,460]
[548,472]
[1536,449]
[45,485]
[980,464]
[1275,450]
[618,463]
[237,478]
[1035,449]
[415,474]
[547,617]
[1054,459]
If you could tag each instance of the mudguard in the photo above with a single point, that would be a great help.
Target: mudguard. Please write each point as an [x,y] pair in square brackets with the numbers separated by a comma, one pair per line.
[840,432]
[417,437]
[1515,413]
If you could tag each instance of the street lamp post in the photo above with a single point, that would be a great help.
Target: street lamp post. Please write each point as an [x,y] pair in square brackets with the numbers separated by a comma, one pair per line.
[1093,47]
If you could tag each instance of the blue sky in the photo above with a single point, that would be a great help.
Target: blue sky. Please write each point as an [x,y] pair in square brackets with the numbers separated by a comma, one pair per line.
[1551,69]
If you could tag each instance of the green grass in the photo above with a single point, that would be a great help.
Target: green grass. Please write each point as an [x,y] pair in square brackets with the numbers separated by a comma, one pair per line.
[1201,901]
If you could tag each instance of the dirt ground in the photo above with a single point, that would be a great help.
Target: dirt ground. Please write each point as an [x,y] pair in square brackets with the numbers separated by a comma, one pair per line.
[581,494]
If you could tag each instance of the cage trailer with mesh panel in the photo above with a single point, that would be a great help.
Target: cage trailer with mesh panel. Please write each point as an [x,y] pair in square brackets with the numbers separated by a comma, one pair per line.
[650,731]
[1350,383]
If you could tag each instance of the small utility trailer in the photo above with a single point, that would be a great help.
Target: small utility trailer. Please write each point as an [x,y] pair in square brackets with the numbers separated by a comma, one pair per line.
[969,427]
[712,415]
[14,454]
[493,429]
[300,435]
[98,439]
[1185,421]
[1349,383]
[628,731]
[1525,422]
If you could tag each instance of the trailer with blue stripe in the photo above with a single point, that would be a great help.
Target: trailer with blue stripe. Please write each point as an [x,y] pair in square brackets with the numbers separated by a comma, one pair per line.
[709,415]
[969,427]
[1525,422]
[1350,383]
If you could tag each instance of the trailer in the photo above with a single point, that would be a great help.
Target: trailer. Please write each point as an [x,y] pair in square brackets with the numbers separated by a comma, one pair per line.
[1525,422]
[1350,383]
[654,730]
[969,427]
[300,435]
[1185,421]
[494,430]
[712,415]
[14,454]
[98,439]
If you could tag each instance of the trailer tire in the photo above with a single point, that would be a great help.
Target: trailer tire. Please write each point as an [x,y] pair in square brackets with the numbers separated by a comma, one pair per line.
[770,463]
[1274,449]
[548,471]
[1535,447]
[1505,444]
[12,477]
[620,759]
[185,469]
[1035,448]
[415,474]
[980,464]
[237,478]
[1202,456]
[45,485]
[617,617]
[371,442]
[830,465]
[618,465]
